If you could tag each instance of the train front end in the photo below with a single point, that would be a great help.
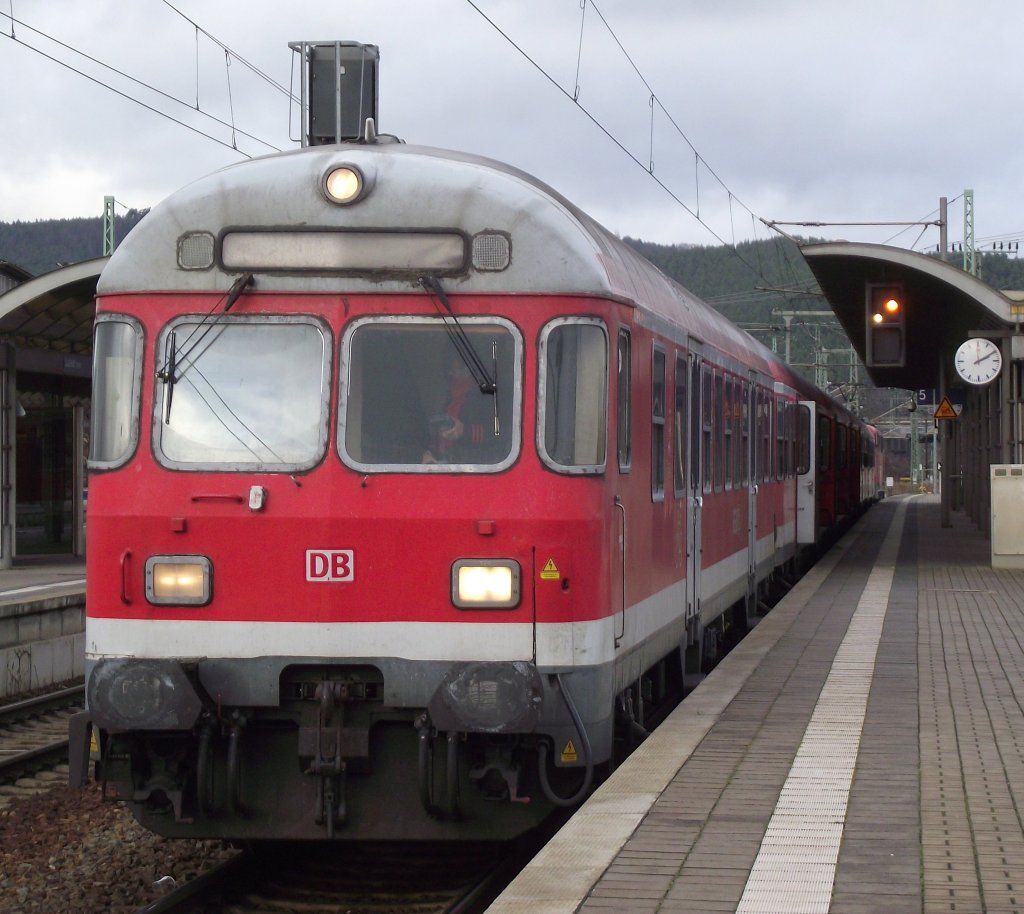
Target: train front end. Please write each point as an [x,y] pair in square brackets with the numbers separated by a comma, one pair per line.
[349,554]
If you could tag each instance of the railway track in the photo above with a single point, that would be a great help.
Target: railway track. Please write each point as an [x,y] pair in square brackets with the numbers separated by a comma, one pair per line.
[358,879]
[34,733]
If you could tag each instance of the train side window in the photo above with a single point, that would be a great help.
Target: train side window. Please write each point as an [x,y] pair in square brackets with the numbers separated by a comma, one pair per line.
[803,440]
[765,435]
[707,427]
[572,397]
[719,455]
[679,464]
[116,391]
[742,423]
[780,438]
[696,421]
[658,425]
[824,443]
[623,387]
[728,452]
[841,446]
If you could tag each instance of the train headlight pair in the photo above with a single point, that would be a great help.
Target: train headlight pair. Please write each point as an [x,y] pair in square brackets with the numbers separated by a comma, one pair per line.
[179,580]
[485,583]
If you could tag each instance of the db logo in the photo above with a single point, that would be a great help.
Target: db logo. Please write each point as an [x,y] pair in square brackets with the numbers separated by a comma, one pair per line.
[324,565]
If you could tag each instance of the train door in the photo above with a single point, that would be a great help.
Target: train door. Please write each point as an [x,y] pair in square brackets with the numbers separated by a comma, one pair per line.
[806,502]
[748,477]
[624,452]
[698,422]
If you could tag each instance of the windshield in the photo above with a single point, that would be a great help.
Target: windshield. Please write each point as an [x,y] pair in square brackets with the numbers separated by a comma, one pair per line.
[242,393]
[410,404]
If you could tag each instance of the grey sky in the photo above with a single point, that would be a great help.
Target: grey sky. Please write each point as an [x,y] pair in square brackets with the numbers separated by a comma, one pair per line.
[807,110]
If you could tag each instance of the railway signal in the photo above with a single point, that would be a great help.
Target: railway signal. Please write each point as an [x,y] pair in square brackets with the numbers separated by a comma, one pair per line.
[885,319]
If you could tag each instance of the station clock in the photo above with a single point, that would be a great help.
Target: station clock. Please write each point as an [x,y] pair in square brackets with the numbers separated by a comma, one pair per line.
[978,361]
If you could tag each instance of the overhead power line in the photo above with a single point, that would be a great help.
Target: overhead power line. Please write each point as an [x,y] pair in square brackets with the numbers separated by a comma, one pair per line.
[653,101]
[123,94]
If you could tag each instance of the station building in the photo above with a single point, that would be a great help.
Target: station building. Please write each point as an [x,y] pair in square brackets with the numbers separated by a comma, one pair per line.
[45,383]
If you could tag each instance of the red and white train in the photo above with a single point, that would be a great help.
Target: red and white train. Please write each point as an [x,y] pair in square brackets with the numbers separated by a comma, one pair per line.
[412,491]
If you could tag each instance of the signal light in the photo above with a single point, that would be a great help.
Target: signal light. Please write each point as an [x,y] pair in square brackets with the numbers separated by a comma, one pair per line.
[886,343]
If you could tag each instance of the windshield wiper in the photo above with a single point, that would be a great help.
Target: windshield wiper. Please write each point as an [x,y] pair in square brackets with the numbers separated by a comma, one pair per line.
[168,374]
[460,340]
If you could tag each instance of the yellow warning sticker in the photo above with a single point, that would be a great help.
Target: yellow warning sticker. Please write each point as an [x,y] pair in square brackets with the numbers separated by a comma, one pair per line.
[945,410]
[550,571]
[569,752]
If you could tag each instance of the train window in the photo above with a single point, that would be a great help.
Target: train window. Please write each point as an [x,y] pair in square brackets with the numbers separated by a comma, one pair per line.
[743,425]
[623,386]
[803,440]
[824,442]
[720,423]
[780,438]
[764,422]
[116,388]
[707,426]
[243,393]
[679,464]
[658,426]
[696,426]
[841,446]
[411,397]
[572,397]
[728,455]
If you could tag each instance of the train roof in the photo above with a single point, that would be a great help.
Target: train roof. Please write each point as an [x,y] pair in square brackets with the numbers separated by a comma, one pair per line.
[555,248]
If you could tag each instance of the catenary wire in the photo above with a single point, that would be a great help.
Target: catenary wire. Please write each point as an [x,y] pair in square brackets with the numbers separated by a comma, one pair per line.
[125,95]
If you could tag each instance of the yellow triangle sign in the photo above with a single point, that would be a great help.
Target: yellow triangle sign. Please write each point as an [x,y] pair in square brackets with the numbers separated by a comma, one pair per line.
[550,571]
[945,410]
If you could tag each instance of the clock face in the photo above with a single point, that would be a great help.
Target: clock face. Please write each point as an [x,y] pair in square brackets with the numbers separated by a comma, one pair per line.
[978,361]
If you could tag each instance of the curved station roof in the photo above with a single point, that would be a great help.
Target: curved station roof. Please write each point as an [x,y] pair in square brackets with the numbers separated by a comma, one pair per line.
[54,311]
[942,304]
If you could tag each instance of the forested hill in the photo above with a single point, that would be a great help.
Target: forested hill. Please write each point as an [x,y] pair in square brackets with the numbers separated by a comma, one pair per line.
[46,244]
[746,283]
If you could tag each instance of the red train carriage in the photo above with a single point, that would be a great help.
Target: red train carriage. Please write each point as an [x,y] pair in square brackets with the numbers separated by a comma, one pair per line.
[413,491]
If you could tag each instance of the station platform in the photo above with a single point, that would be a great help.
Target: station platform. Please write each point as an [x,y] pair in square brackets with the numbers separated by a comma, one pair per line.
[862,750]
[42,623]
[37,578]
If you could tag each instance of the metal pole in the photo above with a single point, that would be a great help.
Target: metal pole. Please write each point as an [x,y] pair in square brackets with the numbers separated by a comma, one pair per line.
[946,451]
[337,91]
[943,230]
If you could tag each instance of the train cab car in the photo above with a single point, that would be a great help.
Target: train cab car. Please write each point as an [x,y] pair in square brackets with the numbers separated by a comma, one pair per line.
[414,492]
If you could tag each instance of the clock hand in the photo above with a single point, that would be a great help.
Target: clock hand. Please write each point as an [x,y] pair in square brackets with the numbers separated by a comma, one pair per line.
[987,355]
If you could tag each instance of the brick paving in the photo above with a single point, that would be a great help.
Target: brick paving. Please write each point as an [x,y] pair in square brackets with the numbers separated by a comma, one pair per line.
[933,821]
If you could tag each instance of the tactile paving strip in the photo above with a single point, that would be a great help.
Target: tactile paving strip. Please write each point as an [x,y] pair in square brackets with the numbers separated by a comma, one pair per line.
[795,868]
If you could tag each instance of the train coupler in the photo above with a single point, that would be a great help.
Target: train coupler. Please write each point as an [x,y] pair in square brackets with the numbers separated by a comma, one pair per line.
[330,801]
[328,746]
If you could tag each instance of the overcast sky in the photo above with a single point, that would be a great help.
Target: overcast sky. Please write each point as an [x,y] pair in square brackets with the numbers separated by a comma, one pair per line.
[805,110]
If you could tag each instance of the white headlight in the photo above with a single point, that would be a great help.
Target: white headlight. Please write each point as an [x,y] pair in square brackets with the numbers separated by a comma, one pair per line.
[485,583]
[343,184]
[178,580]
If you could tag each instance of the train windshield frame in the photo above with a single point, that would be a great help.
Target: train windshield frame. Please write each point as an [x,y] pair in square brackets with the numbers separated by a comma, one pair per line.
[409,404]
[242,393]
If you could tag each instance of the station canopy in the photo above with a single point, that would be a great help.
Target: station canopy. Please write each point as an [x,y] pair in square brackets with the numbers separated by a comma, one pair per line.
[54,311]
[942,304]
